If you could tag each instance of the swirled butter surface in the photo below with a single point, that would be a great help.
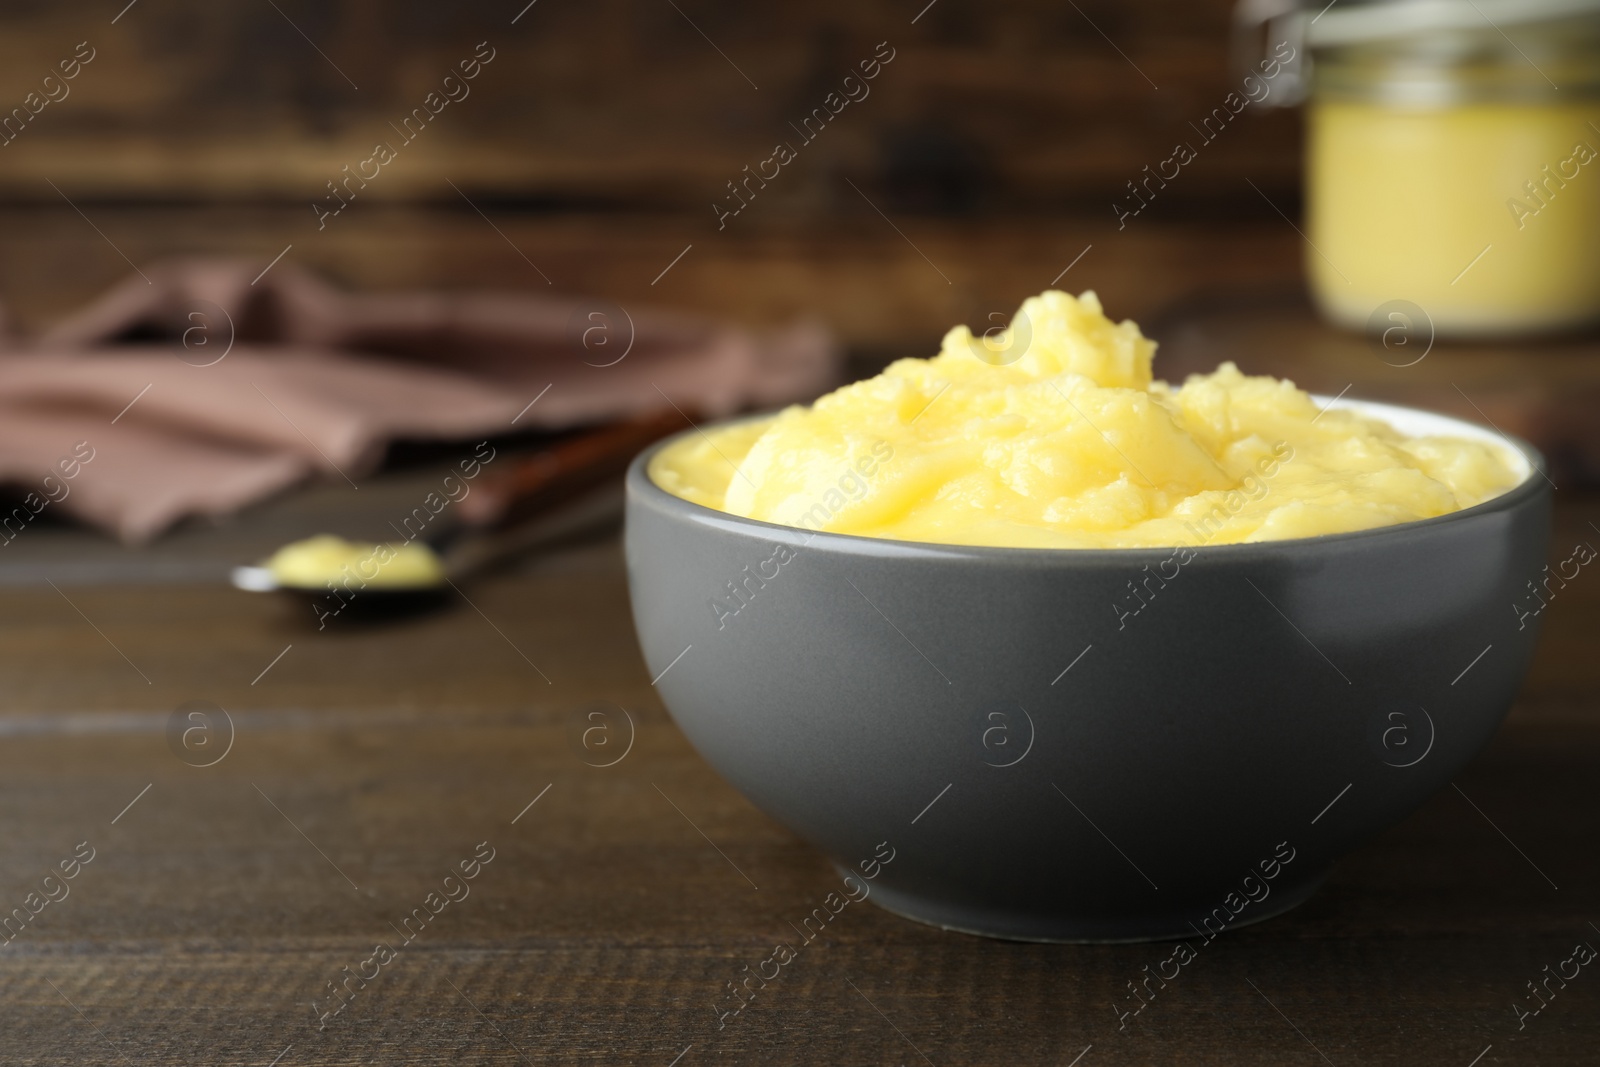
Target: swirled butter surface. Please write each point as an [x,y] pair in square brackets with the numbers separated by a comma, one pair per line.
[1053,434]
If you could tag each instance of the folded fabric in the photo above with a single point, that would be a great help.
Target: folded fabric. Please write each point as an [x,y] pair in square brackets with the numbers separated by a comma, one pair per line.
[201,390]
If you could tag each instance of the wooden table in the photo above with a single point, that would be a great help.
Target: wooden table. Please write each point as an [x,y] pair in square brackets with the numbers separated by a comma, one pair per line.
[223,902]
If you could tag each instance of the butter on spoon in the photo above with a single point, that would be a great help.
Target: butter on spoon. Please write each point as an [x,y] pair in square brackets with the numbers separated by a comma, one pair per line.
[316,561]
[544,498]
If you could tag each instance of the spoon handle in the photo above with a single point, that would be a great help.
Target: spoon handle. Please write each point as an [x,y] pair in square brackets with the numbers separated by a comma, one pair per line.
[555,495]
[538,483]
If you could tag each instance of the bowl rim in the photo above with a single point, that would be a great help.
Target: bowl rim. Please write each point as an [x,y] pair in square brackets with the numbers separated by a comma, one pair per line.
[643,489]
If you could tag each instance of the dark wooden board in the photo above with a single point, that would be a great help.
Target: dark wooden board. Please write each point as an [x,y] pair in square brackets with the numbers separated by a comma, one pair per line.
[632,105]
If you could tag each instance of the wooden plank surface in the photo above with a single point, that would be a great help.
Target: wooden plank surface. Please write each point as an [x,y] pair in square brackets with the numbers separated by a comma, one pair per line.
[367,762]
[625,104]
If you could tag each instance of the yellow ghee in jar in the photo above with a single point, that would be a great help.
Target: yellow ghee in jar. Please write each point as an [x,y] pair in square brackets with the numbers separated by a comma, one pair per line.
[1485,215]
[1054,435]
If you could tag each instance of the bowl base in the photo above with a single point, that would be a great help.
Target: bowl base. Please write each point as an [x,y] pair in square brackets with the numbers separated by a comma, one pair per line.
[1066,929]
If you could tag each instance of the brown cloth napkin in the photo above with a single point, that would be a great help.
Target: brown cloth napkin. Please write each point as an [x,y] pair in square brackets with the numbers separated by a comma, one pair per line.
[201,391]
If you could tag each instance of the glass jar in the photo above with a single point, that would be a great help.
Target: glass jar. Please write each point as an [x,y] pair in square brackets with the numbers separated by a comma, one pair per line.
[1453,161]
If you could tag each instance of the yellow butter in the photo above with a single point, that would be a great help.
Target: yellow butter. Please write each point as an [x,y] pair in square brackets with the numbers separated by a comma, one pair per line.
[318,561]
[1052,434]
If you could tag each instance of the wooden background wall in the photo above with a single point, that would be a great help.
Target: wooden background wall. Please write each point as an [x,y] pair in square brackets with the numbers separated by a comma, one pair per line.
[602,131]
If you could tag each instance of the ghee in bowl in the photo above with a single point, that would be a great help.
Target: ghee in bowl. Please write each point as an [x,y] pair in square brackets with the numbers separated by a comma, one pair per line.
[1054,434]
[997,716]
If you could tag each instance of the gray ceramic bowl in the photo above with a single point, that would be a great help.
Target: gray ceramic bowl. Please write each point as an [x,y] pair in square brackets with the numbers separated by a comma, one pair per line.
[1043,764]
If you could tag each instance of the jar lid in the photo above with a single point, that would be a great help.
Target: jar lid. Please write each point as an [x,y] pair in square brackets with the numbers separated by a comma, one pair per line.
[1379,20]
